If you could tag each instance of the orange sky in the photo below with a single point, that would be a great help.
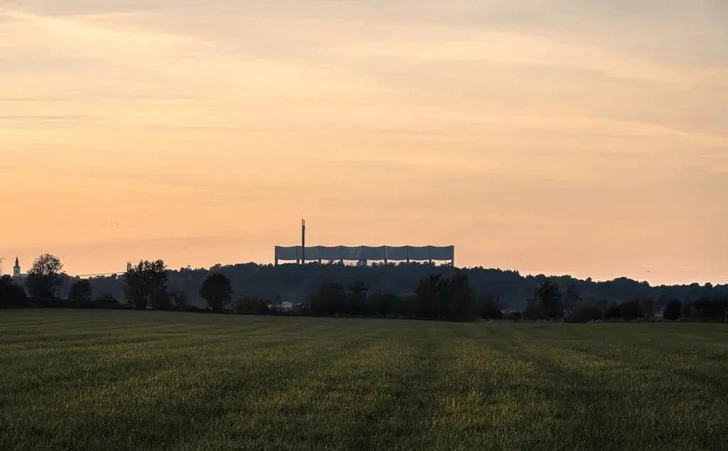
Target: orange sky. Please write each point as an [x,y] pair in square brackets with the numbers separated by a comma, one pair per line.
[533,135]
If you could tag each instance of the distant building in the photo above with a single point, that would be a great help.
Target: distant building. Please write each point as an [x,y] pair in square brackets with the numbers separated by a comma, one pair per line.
[365,254]
[17,274]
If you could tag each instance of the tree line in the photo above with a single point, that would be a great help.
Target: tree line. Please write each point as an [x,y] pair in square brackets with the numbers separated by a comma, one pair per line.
[446,296]
[294,283]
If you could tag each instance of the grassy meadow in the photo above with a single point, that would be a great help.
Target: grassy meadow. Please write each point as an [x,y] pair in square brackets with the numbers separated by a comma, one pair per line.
[124,380]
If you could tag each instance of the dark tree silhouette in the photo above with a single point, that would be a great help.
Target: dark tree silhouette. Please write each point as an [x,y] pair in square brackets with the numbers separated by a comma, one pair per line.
[714,309]
[631,310]
[427,297]
[80,292]
[217,291]
[329,301]
[571,297]
[358,301]
[179,300]
[145,285]
[586,309]
[546,302]
[11,294]
[458,299]
[687,310]
[614,311]
[446,298]
[490,307]
[296,283]
[247,306]
[45,277]
[386,304]
[673,310]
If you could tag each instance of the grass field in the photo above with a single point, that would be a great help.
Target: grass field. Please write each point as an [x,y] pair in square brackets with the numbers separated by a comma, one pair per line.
[108,380]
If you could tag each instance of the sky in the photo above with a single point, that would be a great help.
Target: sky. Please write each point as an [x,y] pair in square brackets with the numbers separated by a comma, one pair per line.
[547,136]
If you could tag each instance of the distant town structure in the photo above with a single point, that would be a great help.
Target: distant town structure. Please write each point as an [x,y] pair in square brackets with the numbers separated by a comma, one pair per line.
[365,254]
[362,255]
[17,274]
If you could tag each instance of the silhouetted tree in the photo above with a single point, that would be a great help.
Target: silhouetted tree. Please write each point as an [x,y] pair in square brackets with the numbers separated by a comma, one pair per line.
[713,309]
[80,292]
[686,311]
[295,283]
[458,299]
[650,304]
[145,285]
[614,311]
[586,309]
[546,302]
[217,291]
[11,294]
[427,297]
[631,310]
[179,300]
[385,304]
[329,301]
[571,297]
[358,302]
[446,298]
[45,277]
[673,310]
[490,307]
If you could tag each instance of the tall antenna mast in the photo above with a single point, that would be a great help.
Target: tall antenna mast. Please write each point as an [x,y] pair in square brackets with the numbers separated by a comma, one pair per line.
[303,241]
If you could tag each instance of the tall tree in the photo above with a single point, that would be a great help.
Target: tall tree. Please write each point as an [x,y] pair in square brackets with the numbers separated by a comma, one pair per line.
[145,285]
[427,297]
[546,302]
[358,301]
[458,299]
[217,291]
[80,292]
[45,277]
[571,296]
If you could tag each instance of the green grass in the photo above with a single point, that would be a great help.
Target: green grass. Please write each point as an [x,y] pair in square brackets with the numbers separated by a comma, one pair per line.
[124,380]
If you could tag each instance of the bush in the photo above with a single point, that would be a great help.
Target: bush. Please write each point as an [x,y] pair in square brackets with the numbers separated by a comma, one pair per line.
[247,306]
[613,312]
[48,303]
